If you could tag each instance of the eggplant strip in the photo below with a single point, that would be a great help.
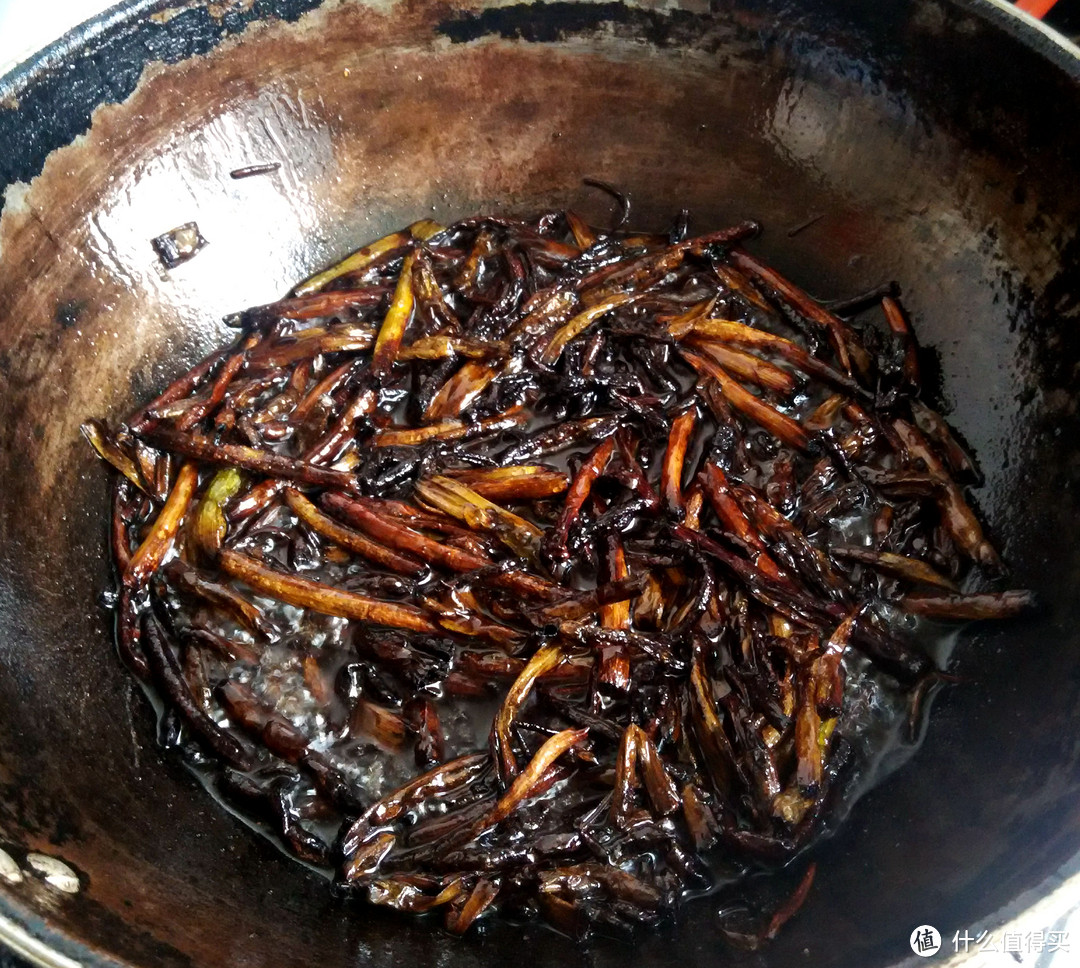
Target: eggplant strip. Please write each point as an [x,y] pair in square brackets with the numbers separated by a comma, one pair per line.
[413,542]
[183,386]
[396,320]
[544,661]
[482,897]
[576,496]
[110,451]
[777,423]
[317,305]
[455,396]
[159,542]
[513,485]
[749,368]
[439,781]
[166,668]
[899,566]
[283,739]
[448,430]
[661,789]
[841,337]
[208,525]
[898,323]
[969,608]
[682,429]
[251,459]
[305,593]
[733,518]
[440,347]
[956,514]
[418,231]
[349,539]
[712,329]
[528,780]
[351,338]
[233,365]
[578,324]
[453,498]
[931,423]
[622,797]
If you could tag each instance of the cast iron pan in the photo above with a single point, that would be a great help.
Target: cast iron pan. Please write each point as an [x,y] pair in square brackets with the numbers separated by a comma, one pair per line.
[937,138]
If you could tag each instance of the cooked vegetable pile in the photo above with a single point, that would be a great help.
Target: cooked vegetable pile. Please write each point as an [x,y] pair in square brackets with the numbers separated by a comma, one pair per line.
[518,565]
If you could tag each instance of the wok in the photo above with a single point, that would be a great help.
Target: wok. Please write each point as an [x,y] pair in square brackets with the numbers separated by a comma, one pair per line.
[935,137]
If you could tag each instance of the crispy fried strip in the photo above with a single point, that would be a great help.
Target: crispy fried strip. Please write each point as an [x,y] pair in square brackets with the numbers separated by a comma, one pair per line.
[749,368]
[810,766]
[208,526]
[931,423]
[232,366]
[463,503]
[449,429]
[658,783]
[418,231]
[364,514]
[461,389]
[157,544]
[482,897]
[898,323]
[190,582]
[778,424]
[615,615]
[708,730]
[901,566]
[316,305]
[308,343]
[578,324]
[166,669]
[729,331]
[525,782]
[110,451]
[733,518]
[349,539]
[970,608]
[580,488]
[440,346]
[438,781]
[682,429]
[790,907]
[844,342]
[584,235]
[622,794]
[826,670]
[517,483]
[956,515]
[322,391]
[544,660]
[394,323]
[251,458]
[183,386]
[305,593]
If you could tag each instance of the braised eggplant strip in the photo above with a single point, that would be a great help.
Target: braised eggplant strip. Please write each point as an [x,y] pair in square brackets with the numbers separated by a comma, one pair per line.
[561,570]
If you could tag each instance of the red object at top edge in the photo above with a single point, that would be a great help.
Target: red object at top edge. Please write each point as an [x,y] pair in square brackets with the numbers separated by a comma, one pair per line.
[1037,8]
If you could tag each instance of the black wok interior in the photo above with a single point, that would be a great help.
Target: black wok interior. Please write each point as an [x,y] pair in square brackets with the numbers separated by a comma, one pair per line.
[935,138]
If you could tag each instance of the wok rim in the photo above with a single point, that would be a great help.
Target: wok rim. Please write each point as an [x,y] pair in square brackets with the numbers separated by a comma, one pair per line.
[1057,896]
